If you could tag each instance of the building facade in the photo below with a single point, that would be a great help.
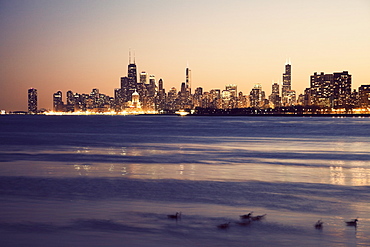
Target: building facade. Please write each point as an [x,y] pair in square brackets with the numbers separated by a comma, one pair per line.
[32,100]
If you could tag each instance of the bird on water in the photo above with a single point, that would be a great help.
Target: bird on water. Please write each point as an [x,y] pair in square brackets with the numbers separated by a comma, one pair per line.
[318,224]
[352,222]
[174,216]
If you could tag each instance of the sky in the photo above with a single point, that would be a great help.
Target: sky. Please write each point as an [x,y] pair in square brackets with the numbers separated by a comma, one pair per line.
[79,45]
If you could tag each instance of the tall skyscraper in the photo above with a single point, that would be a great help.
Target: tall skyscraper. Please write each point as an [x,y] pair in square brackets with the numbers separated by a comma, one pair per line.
[32,100]
[287,82]
[132,77]
[188,80]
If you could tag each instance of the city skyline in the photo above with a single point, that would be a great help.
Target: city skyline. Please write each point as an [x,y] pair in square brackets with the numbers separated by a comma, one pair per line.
[78,46]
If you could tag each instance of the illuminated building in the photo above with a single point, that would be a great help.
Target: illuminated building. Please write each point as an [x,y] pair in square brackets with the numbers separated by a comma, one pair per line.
[330,90]
[124,89]
[135,103]
[70,101]
[230,98]
[118,100]
[274,98]
[144,78]
[129,82]
[287,83]
[32,100]
[161,96]
[226,99]
[243,100]
[290,98]
[58,104]
[198,95]
[257,96]
[364,96]
[132,78]
[188,80]
[215,101]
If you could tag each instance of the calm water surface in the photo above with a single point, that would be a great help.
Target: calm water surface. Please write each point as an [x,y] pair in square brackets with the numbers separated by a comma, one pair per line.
[112,180]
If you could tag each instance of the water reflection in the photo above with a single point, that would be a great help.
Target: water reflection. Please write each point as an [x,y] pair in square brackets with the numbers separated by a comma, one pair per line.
[356,176]
[337,176]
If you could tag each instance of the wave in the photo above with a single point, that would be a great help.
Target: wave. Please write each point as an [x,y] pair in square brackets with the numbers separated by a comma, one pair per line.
[287,196]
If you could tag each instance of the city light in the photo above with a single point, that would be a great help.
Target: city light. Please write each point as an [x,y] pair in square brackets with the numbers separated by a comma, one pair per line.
[327,94]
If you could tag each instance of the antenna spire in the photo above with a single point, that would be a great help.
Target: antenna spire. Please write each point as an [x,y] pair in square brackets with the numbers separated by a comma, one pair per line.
[129,56]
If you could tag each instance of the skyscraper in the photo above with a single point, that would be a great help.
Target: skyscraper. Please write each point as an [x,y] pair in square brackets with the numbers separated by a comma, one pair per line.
[275,95]
[188,80]
[287,83]
[132,77]
[330,90]
[32,100]
[58,104]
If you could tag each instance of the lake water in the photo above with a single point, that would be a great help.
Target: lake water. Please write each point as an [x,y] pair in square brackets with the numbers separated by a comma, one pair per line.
[112,180]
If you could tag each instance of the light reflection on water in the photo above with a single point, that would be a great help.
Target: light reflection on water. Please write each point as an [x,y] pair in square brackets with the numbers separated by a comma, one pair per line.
[264,159]
[265,171]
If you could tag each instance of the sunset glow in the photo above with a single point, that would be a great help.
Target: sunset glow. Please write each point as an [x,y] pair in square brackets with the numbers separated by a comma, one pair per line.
[80,45]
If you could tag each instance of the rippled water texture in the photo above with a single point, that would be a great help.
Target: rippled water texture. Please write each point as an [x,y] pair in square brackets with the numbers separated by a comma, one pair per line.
[112,180]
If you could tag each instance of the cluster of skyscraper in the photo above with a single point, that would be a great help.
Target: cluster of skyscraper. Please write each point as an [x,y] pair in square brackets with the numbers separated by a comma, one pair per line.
[148,95]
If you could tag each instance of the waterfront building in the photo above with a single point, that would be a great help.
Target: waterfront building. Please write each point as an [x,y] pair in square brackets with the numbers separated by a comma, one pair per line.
[132,79]
[287,83]
[160,101]
[290,98]
[330,90]
[135,103]
[118,100]
[231,98]
[70,101]
[58,104]
[257,96]
[188,80]
[274,98]
[144,78]
[243,100]
[32,100]
[198,97]
[364,96]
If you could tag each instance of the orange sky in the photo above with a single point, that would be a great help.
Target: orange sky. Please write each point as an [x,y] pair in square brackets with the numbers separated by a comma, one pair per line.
[80,45]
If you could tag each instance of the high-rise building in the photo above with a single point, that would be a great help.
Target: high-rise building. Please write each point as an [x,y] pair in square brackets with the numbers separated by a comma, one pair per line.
[188,80]
[32,100]
[274,97]
[132,78]
[58,104]
[124,89]
[152,90]
[330,90]
[364,96]
[257,96]
[144,78]
[287,83]
[342,83]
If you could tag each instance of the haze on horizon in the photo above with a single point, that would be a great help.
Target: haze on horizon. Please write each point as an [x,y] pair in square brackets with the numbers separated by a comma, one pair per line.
[80,45]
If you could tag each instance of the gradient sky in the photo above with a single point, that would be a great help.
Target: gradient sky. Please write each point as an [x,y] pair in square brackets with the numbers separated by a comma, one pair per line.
[79,45]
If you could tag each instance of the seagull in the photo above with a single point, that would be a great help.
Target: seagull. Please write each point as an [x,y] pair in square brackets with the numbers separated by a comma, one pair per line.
[258,217]
[352,222]
[174,216]
[318,224]
[224,226]
[246,216]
